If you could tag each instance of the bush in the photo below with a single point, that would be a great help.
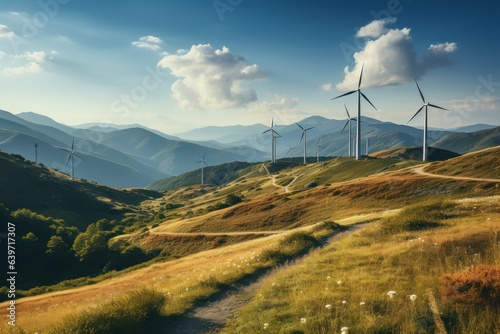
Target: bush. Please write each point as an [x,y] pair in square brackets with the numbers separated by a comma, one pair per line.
[475,287]
[124,315]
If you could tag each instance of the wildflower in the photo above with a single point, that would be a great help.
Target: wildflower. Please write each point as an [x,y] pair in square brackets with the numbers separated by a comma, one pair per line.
[328,277]
[344,302]
[339,282]
[413,298]
[391,293]
[303,320]
[362,304]
[328,306]
[266,325]
[344,330]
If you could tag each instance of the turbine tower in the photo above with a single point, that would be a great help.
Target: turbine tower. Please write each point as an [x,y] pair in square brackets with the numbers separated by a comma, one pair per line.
[203,164]
[358,121]
[318,146]
[304,137]
[72,154]
[349,119]
[274,135]
[426,104]
[36,153]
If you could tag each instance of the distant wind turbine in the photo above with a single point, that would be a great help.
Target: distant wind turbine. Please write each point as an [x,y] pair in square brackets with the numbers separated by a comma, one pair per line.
[426,104]
[36,153]
[274,135]
[304,137]
[358,121]
[348,123]
[318,146]
[203,164]
[72,154]
[290,151]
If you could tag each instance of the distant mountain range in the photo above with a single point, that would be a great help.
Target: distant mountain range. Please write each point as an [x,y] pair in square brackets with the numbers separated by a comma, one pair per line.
[135,156]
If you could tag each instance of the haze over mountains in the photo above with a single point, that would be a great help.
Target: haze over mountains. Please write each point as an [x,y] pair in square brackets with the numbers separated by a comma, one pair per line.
[135,156]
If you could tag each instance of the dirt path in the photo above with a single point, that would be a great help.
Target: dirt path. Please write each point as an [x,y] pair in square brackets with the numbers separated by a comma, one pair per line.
[214,313]
[420,170]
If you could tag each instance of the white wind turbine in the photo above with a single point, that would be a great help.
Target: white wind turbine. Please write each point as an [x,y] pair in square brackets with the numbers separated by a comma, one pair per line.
[274,135]
[290,151]
[304,137]
[72,154]
[36,153]
[348,123]
[203,164]
[318,146]
[358,121]
[426,104]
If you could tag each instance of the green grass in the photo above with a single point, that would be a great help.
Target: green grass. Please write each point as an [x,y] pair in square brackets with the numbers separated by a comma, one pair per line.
[347,283]
[123,315]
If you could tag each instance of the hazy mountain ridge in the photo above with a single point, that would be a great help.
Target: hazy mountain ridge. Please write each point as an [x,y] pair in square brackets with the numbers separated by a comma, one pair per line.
[136,156]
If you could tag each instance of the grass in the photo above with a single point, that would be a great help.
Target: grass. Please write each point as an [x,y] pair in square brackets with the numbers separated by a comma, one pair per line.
[347,283]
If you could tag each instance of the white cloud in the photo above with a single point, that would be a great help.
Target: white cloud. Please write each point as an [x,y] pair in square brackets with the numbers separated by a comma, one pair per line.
[32,63]
[487,103]
[29,68]
[5,32]
[390,57]
[375,28]
[327,87]
[35,56]
[211,78]
[2,54]
[149,42]
[443,48]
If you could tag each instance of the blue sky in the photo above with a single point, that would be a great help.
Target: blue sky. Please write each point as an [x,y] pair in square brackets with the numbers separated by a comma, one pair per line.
[177,65]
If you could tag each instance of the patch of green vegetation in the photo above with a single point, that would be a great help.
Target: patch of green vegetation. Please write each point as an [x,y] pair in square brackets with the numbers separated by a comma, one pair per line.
[127,314]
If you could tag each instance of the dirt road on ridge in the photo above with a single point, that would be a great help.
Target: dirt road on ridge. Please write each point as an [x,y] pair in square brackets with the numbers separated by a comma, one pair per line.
[420,170]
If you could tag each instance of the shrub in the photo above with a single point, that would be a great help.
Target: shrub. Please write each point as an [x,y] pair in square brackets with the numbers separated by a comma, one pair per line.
[475,287]
[124,315]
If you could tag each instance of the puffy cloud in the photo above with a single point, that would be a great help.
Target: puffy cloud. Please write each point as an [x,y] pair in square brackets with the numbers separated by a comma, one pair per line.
[375,28]
[210,78]
[35,56]
[390,57]
[487,103]
[5,32]
[149,42]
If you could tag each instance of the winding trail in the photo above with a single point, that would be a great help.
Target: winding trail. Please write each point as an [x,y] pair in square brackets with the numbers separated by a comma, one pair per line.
[273,179]
[420,170]
[214,313]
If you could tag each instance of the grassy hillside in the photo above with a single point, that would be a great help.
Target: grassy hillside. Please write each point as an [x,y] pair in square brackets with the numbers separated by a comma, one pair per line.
[469,142]
[422,228]
[415,153]
[481,164]
[54,194]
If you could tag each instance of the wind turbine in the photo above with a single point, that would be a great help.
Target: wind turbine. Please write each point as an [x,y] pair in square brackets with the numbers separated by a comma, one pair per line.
[318,146]
[349,118]
[274,135]
[72,154]
[304,137]
[203,164]
[426,104]
[290,151]
[358,121]
[36,153]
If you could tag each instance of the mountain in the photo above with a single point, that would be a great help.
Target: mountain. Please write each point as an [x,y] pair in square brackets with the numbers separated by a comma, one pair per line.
[474,128]
[222,134]
[110,127]
[468,142]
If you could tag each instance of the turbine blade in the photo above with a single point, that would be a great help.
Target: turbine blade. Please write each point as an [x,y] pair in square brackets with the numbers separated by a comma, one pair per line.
[276,133]
[421,95]
[312,127]
[65,150]
[435,106]
[361,75]
[272,122]
[368,100]
[78,156]
[265,131]
[73,144]
[69,158]
[302,137]
[348,116]
[349,93]
[345,126]
[422,107]
[203,159]
[299,125]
